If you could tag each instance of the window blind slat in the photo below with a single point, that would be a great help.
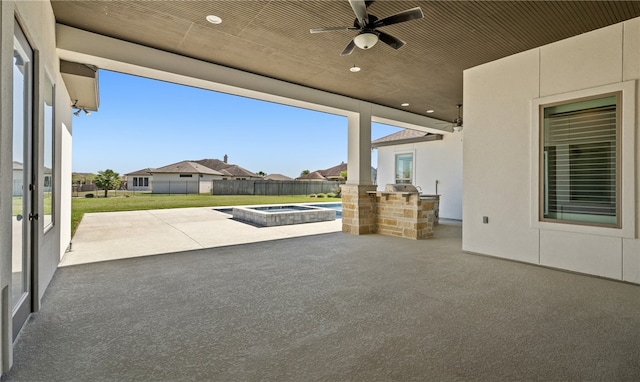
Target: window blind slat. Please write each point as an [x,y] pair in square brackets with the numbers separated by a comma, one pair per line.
[580,171]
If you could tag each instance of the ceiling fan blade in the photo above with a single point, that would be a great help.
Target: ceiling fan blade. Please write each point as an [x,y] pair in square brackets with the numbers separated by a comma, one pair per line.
[331,29]
[347,51]
[360,9]
[408,15]
[388,39]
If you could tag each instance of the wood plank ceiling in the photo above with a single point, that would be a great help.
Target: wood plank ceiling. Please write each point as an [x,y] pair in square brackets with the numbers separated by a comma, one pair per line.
[272,38]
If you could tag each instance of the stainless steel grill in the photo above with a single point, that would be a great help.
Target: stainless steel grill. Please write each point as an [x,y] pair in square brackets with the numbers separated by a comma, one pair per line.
[401,188]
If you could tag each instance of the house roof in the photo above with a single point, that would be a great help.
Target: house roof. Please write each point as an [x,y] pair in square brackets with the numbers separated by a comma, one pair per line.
[272,39]
[334,172]
[277,177]
[405,136]
[316,175]
[144,171]
[227,169]
[185,167]
[327,174]
[17,165]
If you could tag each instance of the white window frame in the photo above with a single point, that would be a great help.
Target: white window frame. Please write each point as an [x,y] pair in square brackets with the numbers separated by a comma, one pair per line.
[413,164]
[49,147]
[627,204]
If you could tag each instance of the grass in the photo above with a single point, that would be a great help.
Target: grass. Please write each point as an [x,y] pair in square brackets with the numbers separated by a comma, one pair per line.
[18,204]
[148,201]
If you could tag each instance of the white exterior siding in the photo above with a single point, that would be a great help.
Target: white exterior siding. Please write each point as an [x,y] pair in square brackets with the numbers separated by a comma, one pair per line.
[500,156]
[174,184]
[433,161]
[131,185]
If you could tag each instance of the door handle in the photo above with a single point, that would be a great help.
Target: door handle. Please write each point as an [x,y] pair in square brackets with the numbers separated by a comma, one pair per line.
[33,216]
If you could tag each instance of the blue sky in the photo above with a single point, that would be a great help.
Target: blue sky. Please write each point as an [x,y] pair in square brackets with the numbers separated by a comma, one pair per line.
[147,123]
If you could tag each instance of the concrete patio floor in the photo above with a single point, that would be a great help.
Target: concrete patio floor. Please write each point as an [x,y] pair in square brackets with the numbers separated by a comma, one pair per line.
[119,235]
[330,307]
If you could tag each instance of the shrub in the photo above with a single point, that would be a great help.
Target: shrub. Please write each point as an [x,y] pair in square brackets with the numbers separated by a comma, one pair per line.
[321,195]
[313,196]
[331,195]
[89,196]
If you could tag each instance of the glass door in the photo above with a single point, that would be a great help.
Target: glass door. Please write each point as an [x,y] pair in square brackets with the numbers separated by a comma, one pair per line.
[22,180]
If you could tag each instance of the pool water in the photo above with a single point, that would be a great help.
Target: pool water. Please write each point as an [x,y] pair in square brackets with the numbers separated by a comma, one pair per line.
[333,206]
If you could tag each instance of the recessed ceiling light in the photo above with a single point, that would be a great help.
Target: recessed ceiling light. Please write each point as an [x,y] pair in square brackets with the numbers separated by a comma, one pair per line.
[430,111]
[405,104]
[213,19]
[354,69]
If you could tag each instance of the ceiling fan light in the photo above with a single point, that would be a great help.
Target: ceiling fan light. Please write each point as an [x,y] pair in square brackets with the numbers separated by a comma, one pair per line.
[365,40]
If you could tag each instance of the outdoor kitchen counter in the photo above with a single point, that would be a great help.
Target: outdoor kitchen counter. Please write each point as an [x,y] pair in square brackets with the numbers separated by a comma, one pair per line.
[405,214]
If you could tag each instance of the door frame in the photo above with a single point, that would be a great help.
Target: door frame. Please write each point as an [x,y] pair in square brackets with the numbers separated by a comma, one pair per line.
[21,311]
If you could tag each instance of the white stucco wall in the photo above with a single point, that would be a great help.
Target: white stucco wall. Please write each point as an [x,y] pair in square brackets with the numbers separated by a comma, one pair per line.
[500,166]
[38,24]
[433,161]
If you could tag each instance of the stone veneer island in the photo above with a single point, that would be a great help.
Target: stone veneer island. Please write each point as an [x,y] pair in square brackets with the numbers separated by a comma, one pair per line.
[394,213]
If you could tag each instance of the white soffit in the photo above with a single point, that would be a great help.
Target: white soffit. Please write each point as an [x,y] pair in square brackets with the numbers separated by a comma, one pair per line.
[82,84]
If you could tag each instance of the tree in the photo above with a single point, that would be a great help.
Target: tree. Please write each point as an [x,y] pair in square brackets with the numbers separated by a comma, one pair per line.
[82,178]
[261,173]
[343,174]
[107,180]
[304,172]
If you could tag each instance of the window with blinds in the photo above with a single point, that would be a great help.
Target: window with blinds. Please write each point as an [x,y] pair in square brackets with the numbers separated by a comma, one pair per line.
[580,162]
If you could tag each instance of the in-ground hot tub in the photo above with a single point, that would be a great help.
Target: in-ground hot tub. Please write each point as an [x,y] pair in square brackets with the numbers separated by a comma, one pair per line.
[270,216]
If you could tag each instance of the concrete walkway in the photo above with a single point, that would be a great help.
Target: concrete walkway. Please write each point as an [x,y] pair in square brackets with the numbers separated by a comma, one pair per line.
[118,235]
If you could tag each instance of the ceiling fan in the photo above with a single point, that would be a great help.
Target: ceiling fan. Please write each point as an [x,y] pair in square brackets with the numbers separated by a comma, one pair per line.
[366,24]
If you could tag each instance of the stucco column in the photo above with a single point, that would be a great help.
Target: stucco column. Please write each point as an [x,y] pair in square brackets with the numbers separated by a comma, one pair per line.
[359,147]
[358,208]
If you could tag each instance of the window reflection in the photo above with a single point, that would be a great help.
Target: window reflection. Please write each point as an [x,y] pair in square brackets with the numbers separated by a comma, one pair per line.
[47,156]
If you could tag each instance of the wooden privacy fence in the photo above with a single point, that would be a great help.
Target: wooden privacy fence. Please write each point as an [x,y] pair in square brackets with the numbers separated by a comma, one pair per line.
[273,187]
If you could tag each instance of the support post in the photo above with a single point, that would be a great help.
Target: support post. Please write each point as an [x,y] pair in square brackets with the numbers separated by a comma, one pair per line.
[358,208]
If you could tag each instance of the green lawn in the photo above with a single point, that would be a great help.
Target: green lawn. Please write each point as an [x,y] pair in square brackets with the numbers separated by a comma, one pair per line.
[146,201]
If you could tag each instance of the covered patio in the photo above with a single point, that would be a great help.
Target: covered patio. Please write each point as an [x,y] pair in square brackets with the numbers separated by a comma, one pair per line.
[330,307]
[334,306]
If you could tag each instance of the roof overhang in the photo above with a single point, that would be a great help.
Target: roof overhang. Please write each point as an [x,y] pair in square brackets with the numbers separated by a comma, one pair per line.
[82,84]
[427,138]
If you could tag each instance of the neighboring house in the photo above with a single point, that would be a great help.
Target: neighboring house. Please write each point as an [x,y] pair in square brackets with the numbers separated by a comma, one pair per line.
[432,162]
[18,179]
[334,174]
[277,177]
[82,181]
[312,176]
[184,177]
[48,180]
[141,180]
[228,171]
